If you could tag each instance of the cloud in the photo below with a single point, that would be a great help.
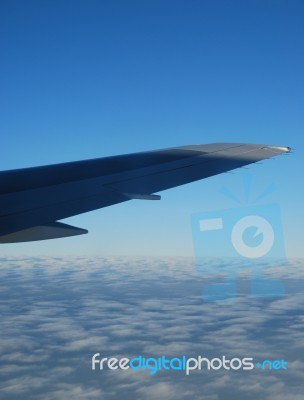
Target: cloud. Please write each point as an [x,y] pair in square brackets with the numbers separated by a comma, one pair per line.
[58,312]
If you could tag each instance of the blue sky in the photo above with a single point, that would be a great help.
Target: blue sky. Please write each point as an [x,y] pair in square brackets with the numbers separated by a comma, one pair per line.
[85,79]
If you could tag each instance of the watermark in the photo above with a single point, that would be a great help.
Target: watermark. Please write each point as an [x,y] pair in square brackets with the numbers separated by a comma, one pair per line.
[244,237]
[184,363]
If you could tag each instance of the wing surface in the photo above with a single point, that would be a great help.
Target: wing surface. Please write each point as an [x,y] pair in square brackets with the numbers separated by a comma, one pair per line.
[40,196]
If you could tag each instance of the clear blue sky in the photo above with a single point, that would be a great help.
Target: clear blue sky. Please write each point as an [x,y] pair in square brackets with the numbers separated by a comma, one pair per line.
[85,79]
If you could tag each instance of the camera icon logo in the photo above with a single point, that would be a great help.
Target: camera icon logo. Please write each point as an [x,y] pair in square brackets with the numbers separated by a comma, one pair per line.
[262,226]
[226,241]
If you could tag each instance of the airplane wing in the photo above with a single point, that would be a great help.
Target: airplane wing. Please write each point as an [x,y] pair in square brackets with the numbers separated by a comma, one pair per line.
[32,200]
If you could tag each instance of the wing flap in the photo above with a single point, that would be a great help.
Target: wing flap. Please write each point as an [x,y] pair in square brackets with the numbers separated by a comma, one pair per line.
[43,232]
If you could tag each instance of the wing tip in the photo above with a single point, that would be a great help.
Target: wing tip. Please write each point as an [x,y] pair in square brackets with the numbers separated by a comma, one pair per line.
[280,149]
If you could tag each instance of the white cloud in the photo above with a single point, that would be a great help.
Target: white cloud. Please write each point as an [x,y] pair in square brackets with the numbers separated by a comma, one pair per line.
[56,313]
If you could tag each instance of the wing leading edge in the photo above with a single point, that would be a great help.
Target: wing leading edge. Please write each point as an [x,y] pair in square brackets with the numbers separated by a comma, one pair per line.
[32,200]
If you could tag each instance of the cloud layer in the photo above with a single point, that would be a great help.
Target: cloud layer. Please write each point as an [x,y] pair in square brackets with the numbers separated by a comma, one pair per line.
[57,312]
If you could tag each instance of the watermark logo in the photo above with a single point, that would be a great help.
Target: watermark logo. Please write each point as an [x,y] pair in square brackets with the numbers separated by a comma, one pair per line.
[184,363]
[244,237]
